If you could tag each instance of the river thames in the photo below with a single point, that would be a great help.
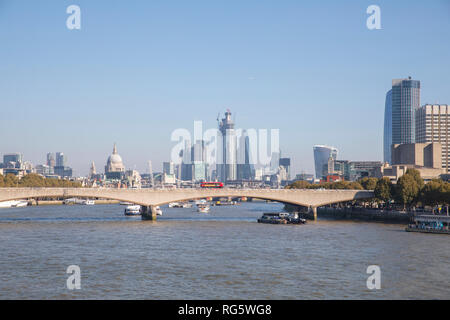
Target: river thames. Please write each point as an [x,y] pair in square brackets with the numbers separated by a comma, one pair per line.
[225,254]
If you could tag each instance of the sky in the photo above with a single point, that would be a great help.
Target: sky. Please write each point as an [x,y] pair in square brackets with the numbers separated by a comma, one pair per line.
[138,70]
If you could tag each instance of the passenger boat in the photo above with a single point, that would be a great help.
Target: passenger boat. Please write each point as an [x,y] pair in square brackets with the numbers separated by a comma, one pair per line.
[203,208]
[180,205]
[13,204]
[88,202]
[158,211]
[430,224]
[281,218]
[133,210]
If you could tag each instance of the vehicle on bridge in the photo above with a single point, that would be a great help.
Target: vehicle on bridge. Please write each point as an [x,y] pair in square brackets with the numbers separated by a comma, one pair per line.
[211,185]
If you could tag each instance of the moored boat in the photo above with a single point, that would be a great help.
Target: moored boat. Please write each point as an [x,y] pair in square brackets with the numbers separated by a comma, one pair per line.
[133,210]
[430,224]
[13,204]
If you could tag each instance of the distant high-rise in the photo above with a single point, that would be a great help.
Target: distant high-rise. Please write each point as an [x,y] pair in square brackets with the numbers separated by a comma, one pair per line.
[387,139]
[168,167]
[199,168]
[186,161]
[227,166]
[61,159]
[321,157]
[433,125]
[286,164]
[51,159]
[92,170]
[245,169]
[405,103]
[13,160]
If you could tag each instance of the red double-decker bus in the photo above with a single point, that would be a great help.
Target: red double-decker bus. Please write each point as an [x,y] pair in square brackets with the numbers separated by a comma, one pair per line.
[211,185]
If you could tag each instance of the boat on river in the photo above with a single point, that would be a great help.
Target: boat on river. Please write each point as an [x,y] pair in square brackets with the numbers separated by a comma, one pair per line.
[13,204]
[281,218]
[430,224]
[180,205]
[203,208]
[133,210]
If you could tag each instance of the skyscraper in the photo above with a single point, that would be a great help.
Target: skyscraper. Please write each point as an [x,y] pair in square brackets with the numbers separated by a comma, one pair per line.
[387,139]
[405,102]
[227,166]
[321,157]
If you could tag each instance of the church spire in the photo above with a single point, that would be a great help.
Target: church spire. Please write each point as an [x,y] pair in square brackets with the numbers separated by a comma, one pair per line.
[115,149]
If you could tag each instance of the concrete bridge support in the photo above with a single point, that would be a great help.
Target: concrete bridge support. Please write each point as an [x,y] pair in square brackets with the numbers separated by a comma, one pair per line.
[313,210]
[148,213]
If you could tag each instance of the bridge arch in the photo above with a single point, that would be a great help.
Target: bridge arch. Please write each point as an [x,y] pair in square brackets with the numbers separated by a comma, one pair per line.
[311,198]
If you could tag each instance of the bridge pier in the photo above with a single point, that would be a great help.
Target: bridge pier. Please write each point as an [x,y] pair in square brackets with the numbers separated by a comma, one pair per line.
[148,213]
[314,212]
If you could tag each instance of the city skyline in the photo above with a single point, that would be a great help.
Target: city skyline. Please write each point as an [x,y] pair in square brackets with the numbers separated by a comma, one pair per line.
[145,86]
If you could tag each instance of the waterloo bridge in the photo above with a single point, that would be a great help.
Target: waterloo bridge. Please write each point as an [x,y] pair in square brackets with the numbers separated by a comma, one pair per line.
[149,199]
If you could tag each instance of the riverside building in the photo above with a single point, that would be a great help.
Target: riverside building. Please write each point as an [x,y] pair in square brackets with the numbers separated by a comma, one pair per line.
[433,126]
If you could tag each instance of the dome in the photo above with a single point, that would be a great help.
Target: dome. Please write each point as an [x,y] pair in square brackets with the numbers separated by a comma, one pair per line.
[115,158]
[114,163]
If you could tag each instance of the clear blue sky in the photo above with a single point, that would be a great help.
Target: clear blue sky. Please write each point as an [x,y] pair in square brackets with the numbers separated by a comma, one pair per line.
[137,70]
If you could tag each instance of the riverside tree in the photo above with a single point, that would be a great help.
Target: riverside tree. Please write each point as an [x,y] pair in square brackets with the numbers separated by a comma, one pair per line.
[368,183]
[407,190]
[35,180]
[383,190]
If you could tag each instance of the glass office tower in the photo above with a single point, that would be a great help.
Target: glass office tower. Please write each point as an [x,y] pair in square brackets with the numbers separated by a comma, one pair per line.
[321,156]
[405,103]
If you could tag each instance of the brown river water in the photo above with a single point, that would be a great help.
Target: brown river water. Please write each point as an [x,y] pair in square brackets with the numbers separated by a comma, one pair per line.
[225,254]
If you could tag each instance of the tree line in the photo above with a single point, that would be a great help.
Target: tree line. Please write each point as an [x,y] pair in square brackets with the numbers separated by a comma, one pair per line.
[35,180]
[410,190]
